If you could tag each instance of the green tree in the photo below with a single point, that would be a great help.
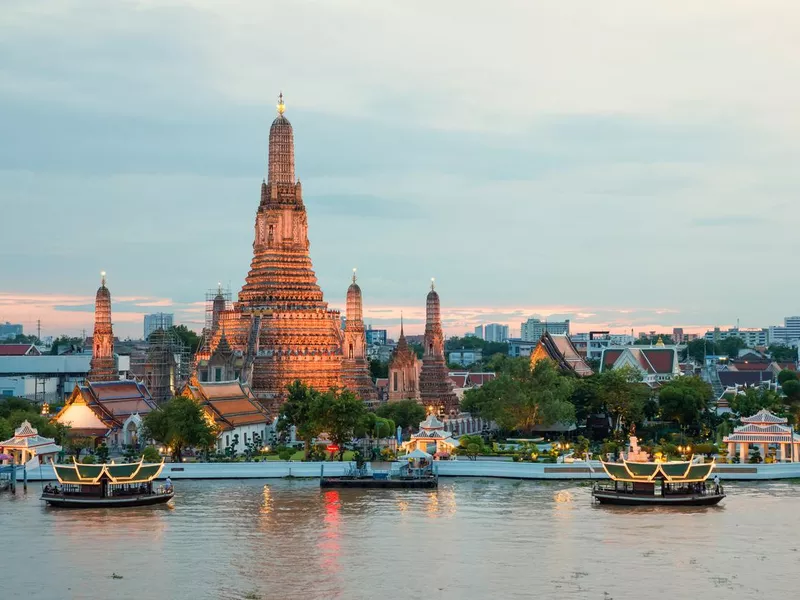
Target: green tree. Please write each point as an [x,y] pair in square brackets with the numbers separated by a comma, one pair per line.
[179,423]
[730,346]
[685,399]
[521,398]
[65,342]
[6,430]
[623,395]
[786,375]
[378,369]
[753,399]
[470,446]
[189,338]
[791,388]
[781,353]
[418,349]
[102,453]
[405,413]
[77,444]
[151,455]
[341,413]
[303,410]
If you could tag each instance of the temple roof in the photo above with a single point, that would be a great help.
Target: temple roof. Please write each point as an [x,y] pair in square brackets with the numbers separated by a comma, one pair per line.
[764,416]
[112,402]
[26,436]
[560,349]
[19,350]
[116,474]
[229,403]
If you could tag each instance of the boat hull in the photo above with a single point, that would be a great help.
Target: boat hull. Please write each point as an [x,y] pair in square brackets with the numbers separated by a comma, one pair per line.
[368,482]
[113,502]
[643,500]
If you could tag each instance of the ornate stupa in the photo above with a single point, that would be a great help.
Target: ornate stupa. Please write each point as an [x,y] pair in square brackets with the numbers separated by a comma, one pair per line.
[281,324]
[102,367]
[355,368]
[404,367]
[435,386]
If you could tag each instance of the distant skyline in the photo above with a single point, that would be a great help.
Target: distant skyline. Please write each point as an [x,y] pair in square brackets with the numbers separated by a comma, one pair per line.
[622,164]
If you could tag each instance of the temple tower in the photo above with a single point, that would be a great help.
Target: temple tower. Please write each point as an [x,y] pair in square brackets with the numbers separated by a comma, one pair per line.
[102,367]
[355,367]
[281,324]
[404,367]
[435,386]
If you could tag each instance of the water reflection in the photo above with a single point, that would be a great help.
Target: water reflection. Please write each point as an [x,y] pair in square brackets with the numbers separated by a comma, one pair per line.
[288,539]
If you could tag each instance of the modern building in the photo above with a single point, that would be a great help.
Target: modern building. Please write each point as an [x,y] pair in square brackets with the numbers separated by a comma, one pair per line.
[592,344]
[375,337]
[752,337]
[787,335]
[9,331]
[478,333]
[495,332]
[518,347]
[532,329]
[465,356]
[157,321]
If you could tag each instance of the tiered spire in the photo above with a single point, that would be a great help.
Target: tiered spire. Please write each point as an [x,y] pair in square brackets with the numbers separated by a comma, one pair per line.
[435,386]
[355,368]
[102,366]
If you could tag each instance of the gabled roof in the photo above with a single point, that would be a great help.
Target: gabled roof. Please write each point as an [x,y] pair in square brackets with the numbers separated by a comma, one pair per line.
[747,378]
[764,416]
[651,360]
[19,350]
[229,403]
[610,356]
[559,349]
[112,402]
[26,436]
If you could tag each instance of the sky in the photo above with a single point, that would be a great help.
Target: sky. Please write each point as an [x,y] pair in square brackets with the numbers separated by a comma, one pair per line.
[625,164]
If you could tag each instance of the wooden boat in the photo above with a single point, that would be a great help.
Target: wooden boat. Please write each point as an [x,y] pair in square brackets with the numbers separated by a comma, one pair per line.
[106,486]
[679,483]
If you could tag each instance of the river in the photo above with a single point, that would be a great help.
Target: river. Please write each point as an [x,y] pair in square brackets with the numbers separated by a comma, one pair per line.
[473,538]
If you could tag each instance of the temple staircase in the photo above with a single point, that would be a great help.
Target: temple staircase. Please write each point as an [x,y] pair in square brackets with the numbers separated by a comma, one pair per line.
[252,348]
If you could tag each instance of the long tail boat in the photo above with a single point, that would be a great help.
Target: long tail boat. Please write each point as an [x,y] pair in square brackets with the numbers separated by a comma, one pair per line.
[106,486]
[679,483]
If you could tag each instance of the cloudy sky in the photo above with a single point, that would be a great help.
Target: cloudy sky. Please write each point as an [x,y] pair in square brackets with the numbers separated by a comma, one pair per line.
[627,164]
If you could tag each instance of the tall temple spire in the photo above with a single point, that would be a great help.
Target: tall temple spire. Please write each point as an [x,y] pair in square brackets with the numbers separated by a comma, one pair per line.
[402,335]
[102,366]
[281,105]
[281,148]
[435,386]
[355,368]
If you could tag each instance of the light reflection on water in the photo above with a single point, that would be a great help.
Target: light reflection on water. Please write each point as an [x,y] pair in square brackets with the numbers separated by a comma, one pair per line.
[474,538]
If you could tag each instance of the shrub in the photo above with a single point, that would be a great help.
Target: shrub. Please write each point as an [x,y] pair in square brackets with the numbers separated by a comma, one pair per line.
[285,453]
[151,455]
[89,459]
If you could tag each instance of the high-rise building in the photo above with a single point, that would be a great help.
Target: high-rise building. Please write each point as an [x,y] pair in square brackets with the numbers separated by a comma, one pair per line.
[479,332]
[355,369]
[9,331]
[375,337]
[157,321]
[435,386]
[532,329]
[751,337]
[281,323]
[494,332]
[102,367]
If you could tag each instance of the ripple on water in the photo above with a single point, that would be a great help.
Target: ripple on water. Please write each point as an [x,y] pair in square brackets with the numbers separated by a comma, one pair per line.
[471,539]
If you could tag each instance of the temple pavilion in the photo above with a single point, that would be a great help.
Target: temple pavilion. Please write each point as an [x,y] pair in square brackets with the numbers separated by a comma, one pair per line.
[764,430]
[431,433]
[28,444]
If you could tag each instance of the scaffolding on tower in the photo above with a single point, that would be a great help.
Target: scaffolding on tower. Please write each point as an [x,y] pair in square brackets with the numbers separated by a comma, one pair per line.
[163,363]
[218,299]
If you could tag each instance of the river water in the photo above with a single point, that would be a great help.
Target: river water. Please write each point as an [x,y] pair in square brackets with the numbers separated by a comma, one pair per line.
[472,538]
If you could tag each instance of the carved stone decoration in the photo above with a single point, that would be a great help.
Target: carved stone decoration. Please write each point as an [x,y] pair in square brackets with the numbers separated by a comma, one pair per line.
[435,386]
[102,366]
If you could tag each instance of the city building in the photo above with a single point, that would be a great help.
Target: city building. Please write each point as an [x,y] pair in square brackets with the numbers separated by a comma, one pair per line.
[465,357]
[355,368]
[102,366]
[281,323]
[752,337]
[375,337]
[235,412]
[495,332]
[518,347]
[435,388]
[592,344]
[19,350]
[532,329]
[478,332]
[157,321]
[107,411]
[787,335]
[559,350]
[656,363]
[9,331]
[404,369]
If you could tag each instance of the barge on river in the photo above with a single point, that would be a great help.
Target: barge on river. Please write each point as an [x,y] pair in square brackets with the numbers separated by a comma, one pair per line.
[107,486]
[658,484]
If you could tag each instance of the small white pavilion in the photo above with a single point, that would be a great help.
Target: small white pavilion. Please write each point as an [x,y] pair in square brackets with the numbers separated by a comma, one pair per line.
[27,444]
[764,429]
[431,432]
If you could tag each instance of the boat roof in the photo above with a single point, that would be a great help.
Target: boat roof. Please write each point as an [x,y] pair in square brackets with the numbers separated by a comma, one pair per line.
[80,474]
[648,472]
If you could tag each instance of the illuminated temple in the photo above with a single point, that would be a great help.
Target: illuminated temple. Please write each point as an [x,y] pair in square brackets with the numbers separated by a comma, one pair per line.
[280,324]
[435,386]
[355,368]
[102,366]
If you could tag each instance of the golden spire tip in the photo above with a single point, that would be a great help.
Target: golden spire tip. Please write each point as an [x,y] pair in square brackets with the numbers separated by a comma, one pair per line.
[281,104]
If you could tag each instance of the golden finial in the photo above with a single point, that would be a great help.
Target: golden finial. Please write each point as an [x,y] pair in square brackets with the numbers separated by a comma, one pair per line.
[103,278]
[281,105]
[433,283]
[354,274]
